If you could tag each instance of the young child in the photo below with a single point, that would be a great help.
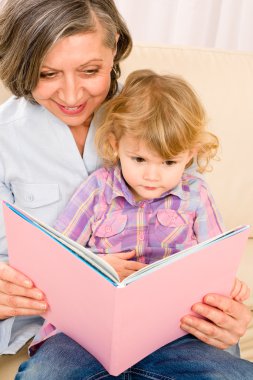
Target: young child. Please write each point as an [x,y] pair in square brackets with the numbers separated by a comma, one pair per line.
[144,202]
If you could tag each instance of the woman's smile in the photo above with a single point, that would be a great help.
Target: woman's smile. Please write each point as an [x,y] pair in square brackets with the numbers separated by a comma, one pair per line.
[73,110]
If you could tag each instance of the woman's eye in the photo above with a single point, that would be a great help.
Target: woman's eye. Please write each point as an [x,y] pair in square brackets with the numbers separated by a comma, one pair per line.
[90,72]
[47,75]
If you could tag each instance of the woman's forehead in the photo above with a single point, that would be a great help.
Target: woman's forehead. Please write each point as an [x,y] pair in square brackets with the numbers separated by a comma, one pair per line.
[80,48]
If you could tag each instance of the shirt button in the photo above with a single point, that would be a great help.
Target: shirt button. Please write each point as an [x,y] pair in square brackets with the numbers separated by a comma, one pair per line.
[108,229]
[141,236]
[30,197]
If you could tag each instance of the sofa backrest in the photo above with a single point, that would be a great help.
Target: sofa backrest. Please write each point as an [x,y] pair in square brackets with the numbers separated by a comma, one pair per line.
[224,82]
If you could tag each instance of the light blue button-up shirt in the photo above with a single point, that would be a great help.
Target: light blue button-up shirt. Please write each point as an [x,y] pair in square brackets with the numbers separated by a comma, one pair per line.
[40,167]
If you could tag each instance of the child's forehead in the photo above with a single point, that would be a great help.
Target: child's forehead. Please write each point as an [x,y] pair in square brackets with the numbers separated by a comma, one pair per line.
[134,143]
[138,146]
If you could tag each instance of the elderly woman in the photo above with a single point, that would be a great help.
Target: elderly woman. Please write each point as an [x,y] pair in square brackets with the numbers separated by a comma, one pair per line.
[61,61]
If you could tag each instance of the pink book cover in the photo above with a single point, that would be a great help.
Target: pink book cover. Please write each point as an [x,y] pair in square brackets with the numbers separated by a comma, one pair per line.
[120,325]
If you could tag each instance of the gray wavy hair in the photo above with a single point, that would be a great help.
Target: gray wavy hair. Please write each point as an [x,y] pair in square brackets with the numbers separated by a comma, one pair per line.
[28,28]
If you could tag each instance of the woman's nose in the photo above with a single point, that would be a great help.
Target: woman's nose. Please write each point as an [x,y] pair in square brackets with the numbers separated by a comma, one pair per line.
[71,91]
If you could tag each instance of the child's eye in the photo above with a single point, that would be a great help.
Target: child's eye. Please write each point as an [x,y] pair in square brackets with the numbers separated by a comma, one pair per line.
[170,163]
[138,159]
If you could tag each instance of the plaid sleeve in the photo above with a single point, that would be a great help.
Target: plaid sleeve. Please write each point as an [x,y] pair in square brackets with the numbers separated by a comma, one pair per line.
[76,219]
[208,222]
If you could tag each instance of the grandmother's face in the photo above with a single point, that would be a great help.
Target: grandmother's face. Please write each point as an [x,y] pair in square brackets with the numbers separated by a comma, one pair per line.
[75,77]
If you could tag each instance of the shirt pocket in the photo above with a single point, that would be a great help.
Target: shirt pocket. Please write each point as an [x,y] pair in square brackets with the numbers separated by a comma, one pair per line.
[109,234]
[35,195]
[111,226]
[171,228]
[171,218]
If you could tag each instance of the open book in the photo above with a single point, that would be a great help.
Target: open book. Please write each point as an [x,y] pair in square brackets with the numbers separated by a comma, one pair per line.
[119,323]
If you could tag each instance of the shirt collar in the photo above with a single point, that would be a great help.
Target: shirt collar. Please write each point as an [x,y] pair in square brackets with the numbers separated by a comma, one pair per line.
[182,190]
[119,188]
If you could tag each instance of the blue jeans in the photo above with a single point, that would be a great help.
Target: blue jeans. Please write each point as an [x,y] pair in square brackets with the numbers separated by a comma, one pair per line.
[60,358]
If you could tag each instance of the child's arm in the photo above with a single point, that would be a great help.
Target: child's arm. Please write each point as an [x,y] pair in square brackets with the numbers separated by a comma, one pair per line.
[240,291]
[76,218]
[208,222]
[123,263]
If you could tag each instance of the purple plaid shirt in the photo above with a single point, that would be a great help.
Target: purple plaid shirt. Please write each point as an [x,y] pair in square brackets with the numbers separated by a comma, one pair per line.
[103,215]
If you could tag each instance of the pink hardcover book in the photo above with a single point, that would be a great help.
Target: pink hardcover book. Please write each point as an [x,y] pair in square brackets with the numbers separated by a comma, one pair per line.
[119,323]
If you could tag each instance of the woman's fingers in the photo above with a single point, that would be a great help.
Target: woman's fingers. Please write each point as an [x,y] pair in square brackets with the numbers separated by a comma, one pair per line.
[21,302]
[11,275]
[210,334]
[18,296]
[7,312]
[230,307]
[223,321]
[13,289]
[240,291]
[11,306]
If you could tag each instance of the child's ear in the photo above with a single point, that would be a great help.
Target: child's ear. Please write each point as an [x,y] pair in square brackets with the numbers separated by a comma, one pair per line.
[113,142]
[192,154]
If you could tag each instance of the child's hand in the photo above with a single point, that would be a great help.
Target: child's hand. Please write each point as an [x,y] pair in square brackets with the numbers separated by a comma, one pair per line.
[240,291]
[122,264]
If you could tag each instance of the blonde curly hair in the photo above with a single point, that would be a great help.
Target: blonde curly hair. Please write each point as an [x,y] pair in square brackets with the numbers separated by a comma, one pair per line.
[164,112]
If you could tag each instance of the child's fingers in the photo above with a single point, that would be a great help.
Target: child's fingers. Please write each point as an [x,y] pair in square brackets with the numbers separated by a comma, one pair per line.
[126,255]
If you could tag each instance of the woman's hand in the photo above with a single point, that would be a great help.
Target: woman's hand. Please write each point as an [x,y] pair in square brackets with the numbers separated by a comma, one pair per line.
[122,264]
[226,319]
[240,291]
[18,296]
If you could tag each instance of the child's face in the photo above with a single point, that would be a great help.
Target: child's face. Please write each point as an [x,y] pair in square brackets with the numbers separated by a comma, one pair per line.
[146,173]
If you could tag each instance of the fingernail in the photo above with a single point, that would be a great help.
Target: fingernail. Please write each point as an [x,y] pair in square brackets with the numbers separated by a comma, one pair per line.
[198,309]
[43,306]
[28,283]
[209,299]
[39,295]
[186,321]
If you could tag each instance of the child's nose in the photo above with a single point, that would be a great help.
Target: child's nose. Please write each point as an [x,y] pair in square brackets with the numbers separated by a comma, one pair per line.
[151,173]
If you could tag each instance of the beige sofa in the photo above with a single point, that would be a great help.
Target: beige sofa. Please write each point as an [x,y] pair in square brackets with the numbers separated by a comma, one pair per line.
[224,81]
